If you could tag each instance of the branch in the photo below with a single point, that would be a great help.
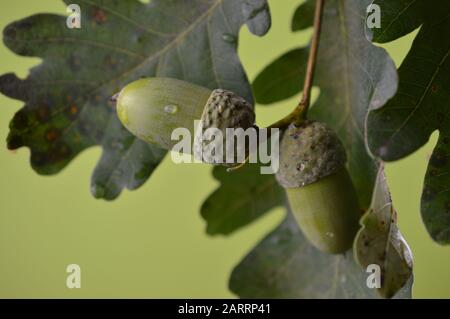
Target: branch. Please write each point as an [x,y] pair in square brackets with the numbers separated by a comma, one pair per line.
[299,113]
[306,98]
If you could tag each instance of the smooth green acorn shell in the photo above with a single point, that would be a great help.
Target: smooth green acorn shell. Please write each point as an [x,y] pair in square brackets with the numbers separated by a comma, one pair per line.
[327,211]
[318,186]
[152,108]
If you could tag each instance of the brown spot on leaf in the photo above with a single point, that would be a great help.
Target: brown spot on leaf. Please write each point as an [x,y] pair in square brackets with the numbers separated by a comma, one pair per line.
[52,134]
[73,110]
[434,88]
[394,214]
[99,16]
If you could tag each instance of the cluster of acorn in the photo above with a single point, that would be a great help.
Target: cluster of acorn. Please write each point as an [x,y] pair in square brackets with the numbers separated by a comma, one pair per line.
[312,158]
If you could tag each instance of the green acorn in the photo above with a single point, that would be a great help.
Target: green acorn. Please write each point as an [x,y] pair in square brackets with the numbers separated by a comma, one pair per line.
[318,186]
[152,108]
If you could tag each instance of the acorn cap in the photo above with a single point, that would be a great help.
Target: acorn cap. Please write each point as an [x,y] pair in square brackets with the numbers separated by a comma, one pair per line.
[308,153]
[224,109]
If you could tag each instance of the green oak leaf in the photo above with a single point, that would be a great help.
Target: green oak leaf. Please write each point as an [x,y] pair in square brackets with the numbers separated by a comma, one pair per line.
[282,78]
[353,76]
[286,265]
[243,196]
[379,241]
[303,16]
[435,202]
[419,108]
[398,18]
[66,97]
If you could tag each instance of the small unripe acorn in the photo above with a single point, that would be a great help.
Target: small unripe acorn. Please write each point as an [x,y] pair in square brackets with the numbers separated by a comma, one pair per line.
[152,108]
[318,186]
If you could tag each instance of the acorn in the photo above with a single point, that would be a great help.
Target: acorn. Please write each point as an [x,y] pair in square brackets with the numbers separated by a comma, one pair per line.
[152,108]
[318,186]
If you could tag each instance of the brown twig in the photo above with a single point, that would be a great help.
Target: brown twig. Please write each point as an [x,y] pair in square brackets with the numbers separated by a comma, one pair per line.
[299,113]
[310,68]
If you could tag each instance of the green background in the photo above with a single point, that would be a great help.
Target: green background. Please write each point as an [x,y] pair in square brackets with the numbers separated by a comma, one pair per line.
[152,242]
